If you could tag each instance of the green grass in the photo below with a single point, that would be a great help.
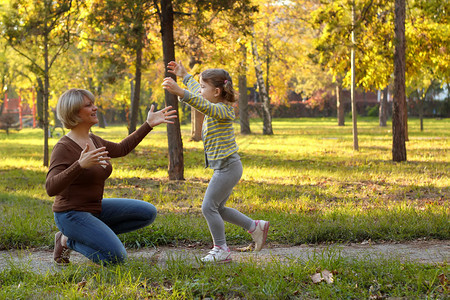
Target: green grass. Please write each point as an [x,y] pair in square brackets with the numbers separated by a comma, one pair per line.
[306,179]
[139,279]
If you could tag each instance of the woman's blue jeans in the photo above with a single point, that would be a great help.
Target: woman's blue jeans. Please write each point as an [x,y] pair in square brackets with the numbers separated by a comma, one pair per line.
[95,236]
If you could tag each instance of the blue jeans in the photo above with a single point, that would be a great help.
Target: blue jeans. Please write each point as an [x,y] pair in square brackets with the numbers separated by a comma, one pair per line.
[95,236]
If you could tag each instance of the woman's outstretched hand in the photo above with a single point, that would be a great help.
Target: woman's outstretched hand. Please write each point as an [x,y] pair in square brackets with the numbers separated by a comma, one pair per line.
[165,115]
[177,68]
[172,87]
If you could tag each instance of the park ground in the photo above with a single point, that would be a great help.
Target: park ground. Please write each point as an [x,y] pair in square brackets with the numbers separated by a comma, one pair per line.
[420,251]
[380,227]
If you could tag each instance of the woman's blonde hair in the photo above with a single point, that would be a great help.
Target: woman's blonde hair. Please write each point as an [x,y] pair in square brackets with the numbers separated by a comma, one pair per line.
[69,105]
[221,79]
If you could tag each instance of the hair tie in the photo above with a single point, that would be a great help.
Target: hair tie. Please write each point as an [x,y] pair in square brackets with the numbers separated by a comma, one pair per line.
[225,82]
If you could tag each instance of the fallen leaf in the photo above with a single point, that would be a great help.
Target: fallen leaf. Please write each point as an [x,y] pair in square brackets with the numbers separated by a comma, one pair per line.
[82,283]
[248,248]
[327,276]
[443,280]
[194,245]
[316,278]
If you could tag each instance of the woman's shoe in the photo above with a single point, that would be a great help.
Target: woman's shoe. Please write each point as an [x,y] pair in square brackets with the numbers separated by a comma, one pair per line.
[61,254]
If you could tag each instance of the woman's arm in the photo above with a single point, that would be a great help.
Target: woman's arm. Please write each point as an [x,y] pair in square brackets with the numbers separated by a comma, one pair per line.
[127,144]
[64,169]
[165,115]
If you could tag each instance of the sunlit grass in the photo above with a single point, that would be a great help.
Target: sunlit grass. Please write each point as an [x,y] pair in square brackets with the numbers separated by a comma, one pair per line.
[307,171]
[180,279]
[306,179]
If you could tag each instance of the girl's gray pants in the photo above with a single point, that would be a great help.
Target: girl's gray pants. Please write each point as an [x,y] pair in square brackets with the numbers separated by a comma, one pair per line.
[216,196]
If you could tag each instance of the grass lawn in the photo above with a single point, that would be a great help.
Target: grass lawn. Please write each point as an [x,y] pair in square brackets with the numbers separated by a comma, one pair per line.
[306,179]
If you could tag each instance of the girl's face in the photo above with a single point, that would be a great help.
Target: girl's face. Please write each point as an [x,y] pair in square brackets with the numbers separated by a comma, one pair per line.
[88,113]
[209,92]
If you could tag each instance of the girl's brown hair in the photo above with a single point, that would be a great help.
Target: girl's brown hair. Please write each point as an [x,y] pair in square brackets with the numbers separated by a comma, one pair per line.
[220,78]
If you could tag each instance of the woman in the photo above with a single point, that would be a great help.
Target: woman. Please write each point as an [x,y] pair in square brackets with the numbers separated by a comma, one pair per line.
[78,169]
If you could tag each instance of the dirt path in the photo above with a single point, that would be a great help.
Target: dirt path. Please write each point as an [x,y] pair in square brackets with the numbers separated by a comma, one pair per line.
[418,251]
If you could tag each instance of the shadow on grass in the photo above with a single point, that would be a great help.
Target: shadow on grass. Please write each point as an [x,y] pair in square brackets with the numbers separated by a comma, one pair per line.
[320,162]
[26,222]
[21,179]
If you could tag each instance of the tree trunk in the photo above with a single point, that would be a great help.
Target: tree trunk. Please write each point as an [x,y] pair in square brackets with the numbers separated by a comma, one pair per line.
[364,110]
[46,91]
[97,92]
[101,117]
[399,105]
[340,106]
[405,116]
[100,114]
[176,161]
[354,111]
[420,101]
[196,124]
[267,118]
[2,105]
[196,116]
[40,102]
[243,97]
[383,108]
[421,113]
[137,89]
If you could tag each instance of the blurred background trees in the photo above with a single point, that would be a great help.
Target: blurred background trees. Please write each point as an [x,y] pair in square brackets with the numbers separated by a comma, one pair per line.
[115,49]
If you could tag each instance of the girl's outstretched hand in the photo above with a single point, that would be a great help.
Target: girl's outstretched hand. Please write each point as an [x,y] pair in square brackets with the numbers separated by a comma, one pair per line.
[177,68]
[165,115]
[172,87]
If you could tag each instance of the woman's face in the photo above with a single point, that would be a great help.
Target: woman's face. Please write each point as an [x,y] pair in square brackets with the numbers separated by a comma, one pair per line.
[209,92]
[88,113]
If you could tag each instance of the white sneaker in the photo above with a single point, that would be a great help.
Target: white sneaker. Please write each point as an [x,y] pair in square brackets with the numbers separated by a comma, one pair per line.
[259,235]
[218,255]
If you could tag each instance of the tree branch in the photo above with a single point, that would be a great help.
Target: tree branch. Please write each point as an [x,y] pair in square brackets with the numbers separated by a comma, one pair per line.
[59,13]
[27,57]
[158,11]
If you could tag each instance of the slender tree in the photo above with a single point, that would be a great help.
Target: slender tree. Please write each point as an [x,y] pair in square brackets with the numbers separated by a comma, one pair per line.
[338,23]
[40,31]
[176,159]
[352,86]
[399,105]
[340,105]
[243,97]
[264,96]
[383,111]
[126,24]
[195,60]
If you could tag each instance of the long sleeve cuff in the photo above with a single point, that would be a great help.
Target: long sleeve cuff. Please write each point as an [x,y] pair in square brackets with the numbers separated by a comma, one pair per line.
[186,78]
[185,96]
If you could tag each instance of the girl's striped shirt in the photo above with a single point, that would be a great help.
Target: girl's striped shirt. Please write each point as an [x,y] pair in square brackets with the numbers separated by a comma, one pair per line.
[217,131]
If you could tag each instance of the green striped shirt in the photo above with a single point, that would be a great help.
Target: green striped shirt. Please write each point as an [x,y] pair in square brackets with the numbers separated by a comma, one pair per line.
[217,131]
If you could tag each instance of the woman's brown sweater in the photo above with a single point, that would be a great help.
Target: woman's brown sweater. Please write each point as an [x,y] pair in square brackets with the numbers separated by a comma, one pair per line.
[81,189]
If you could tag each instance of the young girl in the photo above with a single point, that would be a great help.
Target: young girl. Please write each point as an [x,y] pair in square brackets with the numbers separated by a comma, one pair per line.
[213,97]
